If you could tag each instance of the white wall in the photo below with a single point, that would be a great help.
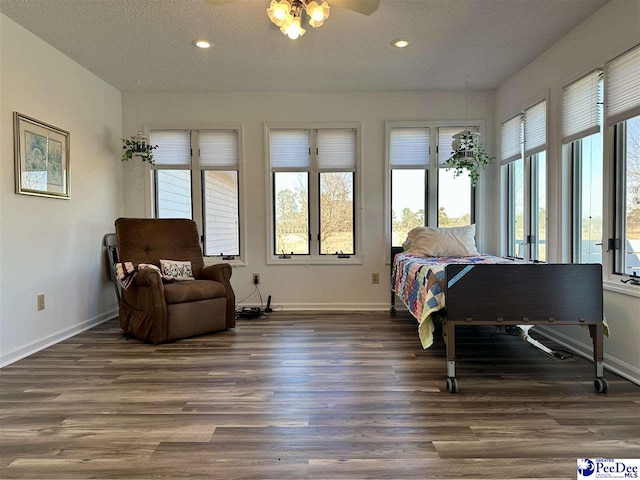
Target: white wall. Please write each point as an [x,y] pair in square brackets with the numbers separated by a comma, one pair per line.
[607,33]
[48,245]
[318,286]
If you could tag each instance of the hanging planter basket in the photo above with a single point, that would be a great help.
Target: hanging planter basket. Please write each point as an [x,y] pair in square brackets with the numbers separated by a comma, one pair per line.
[137,146]
[468,155]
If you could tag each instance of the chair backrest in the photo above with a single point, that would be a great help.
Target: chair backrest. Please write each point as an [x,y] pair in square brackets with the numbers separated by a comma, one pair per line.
[147,240]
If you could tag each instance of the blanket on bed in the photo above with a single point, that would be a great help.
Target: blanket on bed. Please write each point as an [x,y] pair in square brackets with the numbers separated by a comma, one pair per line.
[419,283]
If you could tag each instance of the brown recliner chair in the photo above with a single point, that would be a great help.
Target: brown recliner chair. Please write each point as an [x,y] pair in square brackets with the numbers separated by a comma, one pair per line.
[157,312]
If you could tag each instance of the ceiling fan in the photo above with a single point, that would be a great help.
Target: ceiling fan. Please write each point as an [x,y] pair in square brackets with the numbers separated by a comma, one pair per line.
[287,14]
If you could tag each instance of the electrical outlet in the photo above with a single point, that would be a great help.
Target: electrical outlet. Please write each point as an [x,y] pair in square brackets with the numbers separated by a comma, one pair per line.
[375,278]
[256,278]
[41,302]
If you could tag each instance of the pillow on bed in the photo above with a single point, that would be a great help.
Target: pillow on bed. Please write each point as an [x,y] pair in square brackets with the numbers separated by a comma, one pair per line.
[442,242]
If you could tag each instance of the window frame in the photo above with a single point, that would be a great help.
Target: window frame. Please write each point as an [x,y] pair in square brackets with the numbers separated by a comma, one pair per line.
[314,257]
[431,183]
[197,185]
[529,190]
[565,253]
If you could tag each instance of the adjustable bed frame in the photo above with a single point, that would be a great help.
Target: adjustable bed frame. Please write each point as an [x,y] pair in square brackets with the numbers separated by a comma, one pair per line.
[522,294]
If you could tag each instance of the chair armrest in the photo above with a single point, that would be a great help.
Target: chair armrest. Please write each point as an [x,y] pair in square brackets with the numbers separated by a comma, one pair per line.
[148,277]
[221,272]
[143,312]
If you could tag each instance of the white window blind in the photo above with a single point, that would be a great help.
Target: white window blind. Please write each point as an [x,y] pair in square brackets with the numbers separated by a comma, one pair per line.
[581,108]
[511,140]
[445,140]
[337,149]
[622,94]
[289,149]
[174,147]
[535,129]
[409,147]
[218,149]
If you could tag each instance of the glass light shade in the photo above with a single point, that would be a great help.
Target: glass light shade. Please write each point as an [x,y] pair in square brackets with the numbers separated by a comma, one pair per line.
[279,12]
[317,13]
[292,29]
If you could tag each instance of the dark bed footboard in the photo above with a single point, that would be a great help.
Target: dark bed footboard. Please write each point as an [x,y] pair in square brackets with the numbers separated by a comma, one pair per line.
[524,294]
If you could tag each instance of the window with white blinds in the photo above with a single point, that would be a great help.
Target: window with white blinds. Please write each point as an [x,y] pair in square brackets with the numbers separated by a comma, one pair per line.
[289,149]
[408,147]
[218,149]
[337,150]
[581,107]
[535,129]
[313,194]
[174,148]
[622,89]
[511,140]
[445,141]
[211,180]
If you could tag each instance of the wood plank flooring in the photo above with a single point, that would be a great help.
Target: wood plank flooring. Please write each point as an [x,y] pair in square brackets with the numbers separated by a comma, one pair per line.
[307,396]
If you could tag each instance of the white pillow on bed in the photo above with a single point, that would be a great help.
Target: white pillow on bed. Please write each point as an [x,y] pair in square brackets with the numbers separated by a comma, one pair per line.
[442,242]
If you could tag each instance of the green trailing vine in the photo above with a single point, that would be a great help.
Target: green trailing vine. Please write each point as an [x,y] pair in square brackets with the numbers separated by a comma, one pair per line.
[469,156]
[137,148]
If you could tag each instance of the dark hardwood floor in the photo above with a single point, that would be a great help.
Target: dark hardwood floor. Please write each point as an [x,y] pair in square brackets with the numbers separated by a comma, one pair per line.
[318,396]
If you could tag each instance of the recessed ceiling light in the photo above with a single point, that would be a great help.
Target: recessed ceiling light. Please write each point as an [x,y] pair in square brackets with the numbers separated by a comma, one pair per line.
[201,43]
[399,43]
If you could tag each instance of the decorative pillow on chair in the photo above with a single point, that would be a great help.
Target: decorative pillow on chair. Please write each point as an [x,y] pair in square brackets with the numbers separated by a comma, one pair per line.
[179,271]
[442,242]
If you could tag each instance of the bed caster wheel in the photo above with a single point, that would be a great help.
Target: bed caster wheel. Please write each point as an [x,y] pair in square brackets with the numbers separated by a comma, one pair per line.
[601,385]
[392,312]
[452,385]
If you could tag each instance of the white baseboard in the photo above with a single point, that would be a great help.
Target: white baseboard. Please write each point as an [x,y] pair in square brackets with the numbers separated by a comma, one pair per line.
[328,307]
[30,348]
[611,363]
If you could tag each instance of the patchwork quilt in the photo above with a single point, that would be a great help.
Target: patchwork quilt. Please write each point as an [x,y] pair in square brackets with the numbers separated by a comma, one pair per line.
[419,283]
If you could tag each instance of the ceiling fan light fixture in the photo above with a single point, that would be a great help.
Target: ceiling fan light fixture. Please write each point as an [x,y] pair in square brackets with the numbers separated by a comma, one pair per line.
[279,12]
[293,29]
[318,13]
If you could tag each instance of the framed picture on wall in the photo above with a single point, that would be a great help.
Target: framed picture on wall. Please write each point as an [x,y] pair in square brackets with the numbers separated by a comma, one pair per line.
[41,157]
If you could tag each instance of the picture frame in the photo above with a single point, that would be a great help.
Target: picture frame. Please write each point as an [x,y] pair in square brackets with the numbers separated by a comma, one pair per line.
[41,154]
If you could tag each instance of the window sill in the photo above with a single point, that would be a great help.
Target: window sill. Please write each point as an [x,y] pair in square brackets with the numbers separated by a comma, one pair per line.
[238,262]
[319,261]
[618,287]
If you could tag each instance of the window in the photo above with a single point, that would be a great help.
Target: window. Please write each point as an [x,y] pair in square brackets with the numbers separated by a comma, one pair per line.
[455,195]
[627,223]
[218,155]
[409,162]
[581,119]
[622,109]
[515,213]
[203,186]
[172,173]
[422,190]
[313,179]
[523,156]
[538,226]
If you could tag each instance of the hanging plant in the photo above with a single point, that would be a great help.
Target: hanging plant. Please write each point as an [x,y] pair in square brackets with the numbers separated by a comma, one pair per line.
[468,156]
[137,146]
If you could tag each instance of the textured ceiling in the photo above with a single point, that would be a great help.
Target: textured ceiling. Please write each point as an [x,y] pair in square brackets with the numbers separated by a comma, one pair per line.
[123,41]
